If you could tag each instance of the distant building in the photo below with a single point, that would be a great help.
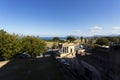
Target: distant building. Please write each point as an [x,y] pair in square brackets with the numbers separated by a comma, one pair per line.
[81,51]
[66,50]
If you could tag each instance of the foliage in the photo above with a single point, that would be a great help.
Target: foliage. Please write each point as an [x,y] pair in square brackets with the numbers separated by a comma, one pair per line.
[54,46]
[91,41]
[56,39]
[113,39]
[71,38]
[81,38]
[62,41]
[102,41]
[96,45]
[33,45]
[86,40]
[11,44]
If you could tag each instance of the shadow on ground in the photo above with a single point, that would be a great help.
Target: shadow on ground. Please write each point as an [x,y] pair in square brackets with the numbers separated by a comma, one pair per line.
[31,69]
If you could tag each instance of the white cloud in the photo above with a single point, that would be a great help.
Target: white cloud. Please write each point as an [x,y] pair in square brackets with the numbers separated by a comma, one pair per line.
[96,29]
[116,28]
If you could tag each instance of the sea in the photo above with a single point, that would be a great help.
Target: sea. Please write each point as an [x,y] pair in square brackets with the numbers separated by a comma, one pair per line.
[51,38]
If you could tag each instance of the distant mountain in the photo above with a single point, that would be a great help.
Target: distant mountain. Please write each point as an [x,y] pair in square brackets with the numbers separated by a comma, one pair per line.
[117,35]
[111,35]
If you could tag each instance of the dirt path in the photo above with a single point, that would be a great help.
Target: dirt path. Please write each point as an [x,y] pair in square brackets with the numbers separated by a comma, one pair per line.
[2,63]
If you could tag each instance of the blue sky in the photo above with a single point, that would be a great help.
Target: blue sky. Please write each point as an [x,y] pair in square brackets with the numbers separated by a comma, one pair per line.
[60,17]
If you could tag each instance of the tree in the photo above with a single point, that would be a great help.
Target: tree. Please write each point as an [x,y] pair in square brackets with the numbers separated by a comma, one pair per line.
[2,41]
[102,41]
[86,40]
[33,45]
[81,38]
[56,39]
[54,46]
[113,39]
[71,38]
[62,41]
[10,44]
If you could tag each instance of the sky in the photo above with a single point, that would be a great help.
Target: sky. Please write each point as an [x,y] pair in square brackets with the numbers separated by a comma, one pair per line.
[47,18]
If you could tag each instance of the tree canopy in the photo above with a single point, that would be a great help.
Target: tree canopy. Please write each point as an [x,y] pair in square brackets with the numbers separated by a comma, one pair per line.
[12,44]
[55,46]
[81,38]
[71,38]
[102,41]
[56,39]
[33,45]
[113,39]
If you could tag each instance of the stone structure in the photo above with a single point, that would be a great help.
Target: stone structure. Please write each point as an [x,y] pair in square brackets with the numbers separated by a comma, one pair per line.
[66,50]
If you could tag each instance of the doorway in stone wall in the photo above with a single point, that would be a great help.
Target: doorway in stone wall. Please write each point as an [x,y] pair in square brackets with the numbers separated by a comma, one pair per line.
[70,50]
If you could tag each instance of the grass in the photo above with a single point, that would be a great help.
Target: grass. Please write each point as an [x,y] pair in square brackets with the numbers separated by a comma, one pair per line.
[38,69]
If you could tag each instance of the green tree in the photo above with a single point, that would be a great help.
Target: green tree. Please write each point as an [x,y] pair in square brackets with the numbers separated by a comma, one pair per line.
[102,41]
[81,38]
[56,39]
[113,39]
[10,44]
[62,41]
[33,45]
[86,40]
[71,38]
[2,41]
[54,46]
